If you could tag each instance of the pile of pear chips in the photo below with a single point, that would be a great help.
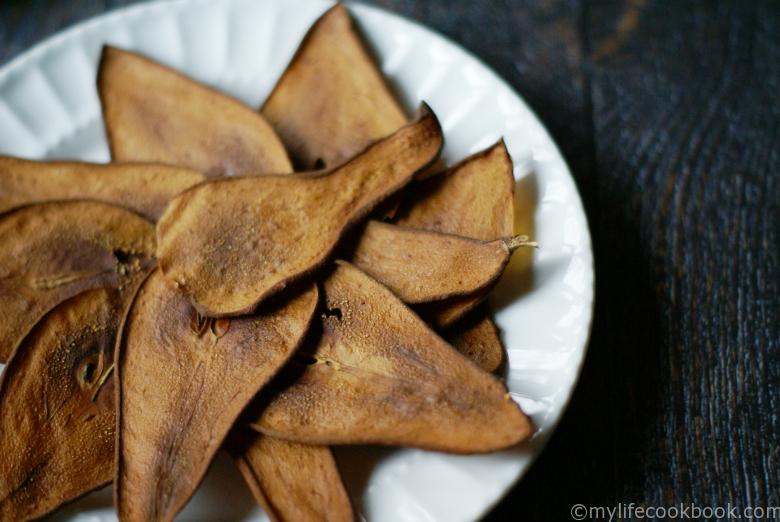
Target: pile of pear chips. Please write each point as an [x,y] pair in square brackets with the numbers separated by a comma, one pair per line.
[269,282]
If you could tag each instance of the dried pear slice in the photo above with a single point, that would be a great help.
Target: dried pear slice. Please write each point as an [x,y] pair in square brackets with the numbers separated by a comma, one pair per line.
[152,113]
[57,417]
[379,375]
[231,243]
[448,312]
[474,198]
[183,380]
[52,251]
[145,188]
[293,482]
[332,101]
[476,336]
[420,266]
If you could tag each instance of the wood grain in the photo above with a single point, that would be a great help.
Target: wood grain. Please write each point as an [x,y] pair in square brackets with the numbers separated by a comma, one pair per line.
[669,116]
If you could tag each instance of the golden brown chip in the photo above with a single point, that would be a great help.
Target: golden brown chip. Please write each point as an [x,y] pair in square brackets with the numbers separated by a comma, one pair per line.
[183,380]
[448,312]
[293,482]
[145,188]
[231,243]
[332,101]
[152,113]
[473,199]
[420,266]
[57,407]
[476,336]
[379,375]
[53,251]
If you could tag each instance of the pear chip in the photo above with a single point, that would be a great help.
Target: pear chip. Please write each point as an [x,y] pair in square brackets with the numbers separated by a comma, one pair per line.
[155,114]
[57,398]
[292,481]
[379,375]
[183,381]
[145,188]
[475,198]
[332,101]
[421,266]
[476,336]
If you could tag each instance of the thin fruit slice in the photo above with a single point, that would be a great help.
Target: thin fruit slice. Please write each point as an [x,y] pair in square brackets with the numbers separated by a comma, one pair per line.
[145,188]
[53,251]
[473,199]
[379,375]
[57,417]
[292,482]
[448,312]
[184,379]
[476,336]
[421,266]
[152,113]
[332,101]
[230,243]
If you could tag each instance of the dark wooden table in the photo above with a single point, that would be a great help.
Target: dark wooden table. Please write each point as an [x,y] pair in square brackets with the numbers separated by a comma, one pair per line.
[668,113]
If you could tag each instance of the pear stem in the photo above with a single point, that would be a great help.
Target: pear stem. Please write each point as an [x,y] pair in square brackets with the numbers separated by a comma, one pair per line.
[103,379]
[515,242]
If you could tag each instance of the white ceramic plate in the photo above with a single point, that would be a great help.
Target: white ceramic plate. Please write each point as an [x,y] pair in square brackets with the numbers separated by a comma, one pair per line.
[49,109]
